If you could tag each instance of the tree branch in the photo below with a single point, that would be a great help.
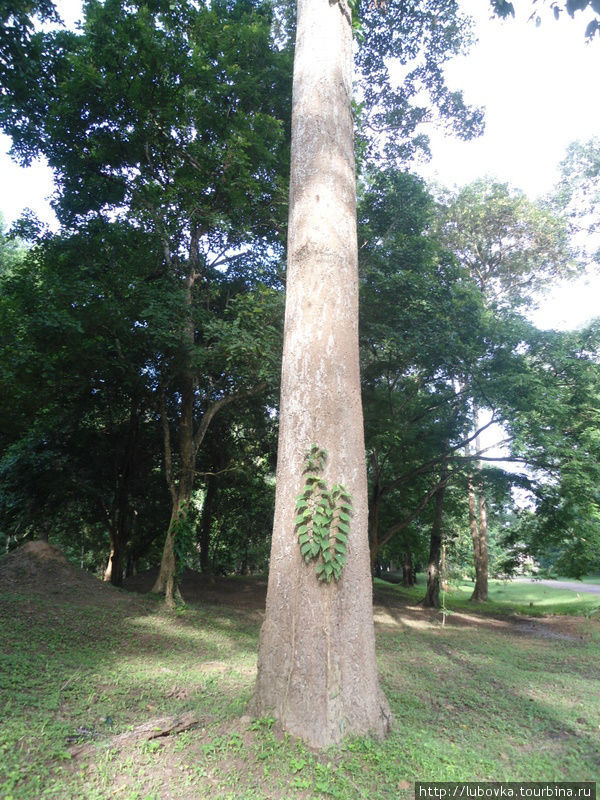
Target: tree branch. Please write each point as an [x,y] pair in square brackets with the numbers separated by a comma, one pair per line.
[394,529]
[224,401]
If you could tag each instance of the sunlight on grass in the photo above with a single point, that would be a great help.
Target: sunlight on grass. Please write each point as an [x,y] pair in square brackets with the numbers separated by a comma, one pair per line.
[90,674]
[507,597]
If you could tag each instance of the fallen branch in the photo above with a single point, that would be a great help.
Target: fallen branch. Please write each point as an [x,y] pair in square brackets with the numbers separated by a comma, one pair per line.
[153,729]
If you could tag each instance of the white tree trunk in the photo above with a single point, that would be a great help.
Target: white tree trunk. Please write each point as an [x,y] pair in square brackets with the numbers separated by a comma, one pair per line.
[316,667]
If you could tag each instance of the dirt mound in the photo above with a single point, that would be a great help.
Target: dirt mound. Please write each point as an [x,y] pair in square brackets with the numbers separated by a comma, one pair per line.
[42,568]
[41,551]
[198,588]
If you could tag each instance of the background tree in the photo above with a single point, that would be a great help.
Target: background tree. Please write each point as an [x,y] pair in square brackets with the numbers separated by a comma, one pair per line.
[422,324]
[400,74]
[511,248]
[504,8]
[173,119]
[79,366]
[553,422]
[577,196]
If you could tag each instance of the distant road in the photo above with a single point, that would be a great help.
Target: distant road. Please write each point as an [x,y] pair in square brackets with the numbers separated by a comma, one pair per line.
[574,586]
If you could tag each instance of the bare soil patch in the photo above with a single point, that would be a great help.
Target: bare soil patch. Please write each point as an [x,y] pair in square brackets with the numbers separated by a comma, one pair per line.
[41,568]
[248,593]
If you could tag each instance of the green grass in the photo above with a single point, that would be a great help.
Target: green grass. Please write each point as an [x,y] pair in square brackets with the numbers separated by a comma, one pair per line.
[469,704]
[507,597]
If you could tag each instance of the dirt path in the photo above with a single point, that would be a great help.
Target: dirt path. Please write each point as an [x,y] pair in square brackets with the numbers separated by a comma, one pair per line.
[574,586]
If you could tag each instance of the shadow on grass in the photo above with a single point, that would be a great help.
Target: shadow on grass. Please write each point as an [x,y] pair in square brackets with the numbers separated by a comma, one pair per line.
[72,666]
[469,703]
[505,597]
[496,708]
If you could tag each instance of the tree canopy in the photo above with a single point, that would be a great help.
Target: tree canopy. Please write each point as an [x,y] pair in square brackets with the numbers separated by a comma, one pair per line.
[142,341]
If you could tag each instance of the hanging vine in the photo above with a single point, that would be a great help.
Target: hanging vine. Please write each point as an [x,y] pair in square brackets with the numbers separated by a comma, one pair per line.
[323,519]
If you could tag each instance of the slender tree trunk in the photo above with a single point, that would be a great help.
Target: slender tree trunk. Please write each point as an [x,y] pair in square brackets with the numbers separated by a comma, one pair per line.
[432,595]
[407,568]
[119,536]
[130,567]
[120,519]
[480,592]
[374,526]
[443,576]
[479,547]
[116,563]
[478,525]
[473,518]
[181,491]
[316,660]
[44,529]
[205,524]
[244,566]
[107,576]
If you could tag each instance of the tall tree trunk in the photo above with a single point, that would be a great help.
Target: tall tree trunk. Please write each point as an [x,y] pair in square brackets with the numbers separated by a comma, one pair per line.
[130,566]
[432,595]
[166,581]
[472,500]
[107,576]
[316,660]
[119,534]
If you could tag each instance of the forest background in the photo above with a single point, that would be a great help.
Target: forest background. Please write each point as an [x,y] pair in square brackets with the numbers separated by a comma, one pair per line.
[142,338]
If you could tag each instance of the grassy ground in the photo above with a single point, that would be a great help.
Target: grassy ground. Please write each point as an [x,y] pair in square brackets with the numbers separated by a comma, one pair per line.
[479,699]
[507,597]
